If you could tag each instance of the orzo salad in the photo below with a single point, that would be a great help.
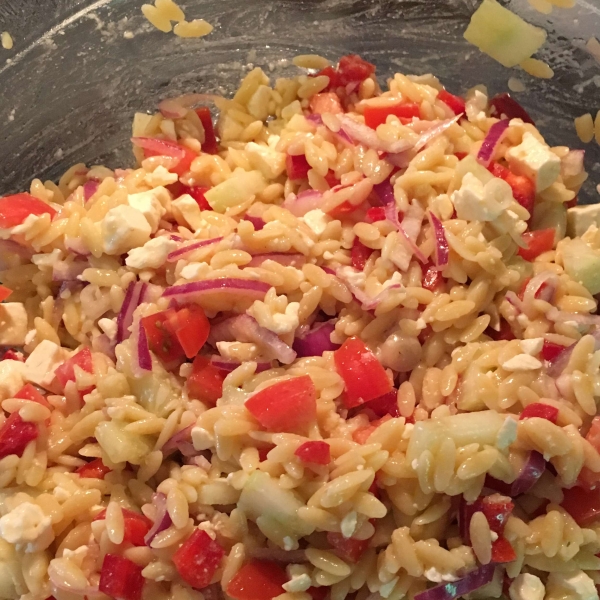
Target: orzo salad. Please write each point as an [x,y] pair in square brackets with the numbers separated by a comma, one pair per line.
[344,344]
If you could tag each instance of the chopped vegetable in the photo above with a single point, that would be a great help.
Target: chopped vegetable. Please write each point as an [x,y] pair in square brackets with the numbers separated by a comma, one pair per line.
[360,254]
[297,166]
[195,290]
[236,190]
[385,405]
[537,242]
[550,350]
[582,263]
[316,340]
[377,213]
[349,549]
[502,34]
[29,392]
[326,102]
[491,141]
[362,434]
[364,377]
[198,192]
[289,405]
[15,209]
[523,189]
[191,328]
[210,144]
[162,519]
[136,526]
[502,551]
[66,371]
[206,381]
[432,277]
[316,452]
[198,558]
[122,445]
[162,339]
[121,578]
[15,435]
[257,580]
[158,147]
[377,115]
[442,250]
[532,470]
[134,296]
[95,469]
[583,505]
[4,293]
[472,581]
[504,105]
[541,410]
[455,103]
[353,69]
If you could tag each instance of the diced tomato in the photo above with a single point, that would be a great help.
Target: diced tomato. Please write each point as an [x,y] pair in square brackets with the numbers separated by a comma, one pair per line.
[191,327]
[455,103]
[66,371]
[541,410]
[348,548]
[257,580]
[16,208]
[497,509]
[121,578]
[504,104]
[95,469]
[198,558]
[162,339]
[377,115]
[289,405]
[15,434]
[136,525]
[206,381]
[332,74]
[331,179]
[316,452]
[28,392]
[353,69]
[364,377]
[505,333]
[318,593]
[197,193]
[297,166]
[537,242]
[326,102]
[550,350]
[376,213]
[502,551]
[523,188]
[11,354]
[262,452]
[4,293]
[159,147]
[432,278]
[361,435]
[360,254]
[583,505]
[385,405]
[460,155]
[210,145]
[572,203]
[343,209]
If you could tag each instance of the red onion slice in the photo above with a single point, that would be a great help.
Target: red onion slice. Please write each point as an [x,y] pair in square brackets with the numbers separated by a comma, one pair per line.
[304,202]
[185,250]
[162,520]
[442,250]
[134,296]
[504,104]
[362,134]
[256,221]
[68,271]
[229,365]
[316,340]
[181,441]
[532,470]
[143,352]
[247,288]
[90,188]
[492,139]
[160,147]
[472,581]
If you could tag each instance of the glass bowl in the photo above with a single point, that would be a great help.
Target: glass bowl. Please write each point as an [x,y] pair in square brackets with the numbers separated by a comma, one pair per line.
[79,69]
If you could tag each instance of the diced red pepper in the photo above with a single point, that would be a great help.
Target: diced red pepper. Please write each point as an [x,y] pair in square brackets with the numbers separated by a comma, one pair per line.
[342,210]
[331,179]
[385,405]
[121,578]
[316,452]
[541,410]
[497,509]
[262,452]
[257,580]
[136,526]
[361,435]
[28,392]
[66,371]
[297,166]
[364,377]
[360,254]
[16,208]
[326,102]
[537,242]
[15,434]
[505,333]
[504,104]
[289,405]
[210,145]
[432,278]
[523,188]
[583,505]
[197,193]
[206,381]
[572,203]
[376,213]
[460,155]
[540,292]
[502,551]
[332,74]
[198,559]
[95,469]
[455,103]
[550,350]
[377,115]
[11,354]
[318,593]
[353,69]
[191,328]
[4,293]
[347,548]
[162,339]
[158,147]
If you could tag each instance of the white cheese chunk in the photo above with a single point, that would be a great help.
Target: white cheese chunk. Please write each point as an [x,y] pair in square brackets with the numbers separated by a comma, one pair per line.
[433,574]
[152,255]
[298,583]
[475,201]
[41,363]
[124,228]
[13,324]
[476,104]
[27,527]
[11,378]
[535,160]
[153,204]
[160,176]
[109,327]
[522,362]
[532,346]
[268,161]
[526,587]
[507,434]
[190,211]
[316,220]
[202,439]
[576,584]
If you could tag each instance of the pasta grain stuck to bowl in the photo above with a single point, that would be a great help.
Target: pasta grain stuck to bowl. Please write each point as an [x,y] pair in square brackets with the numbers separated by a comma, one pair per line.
[339,343]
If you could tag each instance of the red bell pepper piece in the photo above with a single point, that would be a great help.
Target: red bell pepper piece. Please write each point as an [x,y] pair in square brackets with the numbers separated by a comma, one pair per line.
[361,435]
[550,350]
[120,578]
[360,254]
[28,392]
[505,333]
[316,452]
[331,179]
[364,377]
[583,505]
[432,278]
[206,381]
[136,526]
[15,434]
[497,509]
[197,193]
[4,293]
[297,167]
[325,102]
[353,69]
[16,208]
[210,145]
[158,147]
[374,214]
[385,405]
[257,580]
[541,410]
[191,328]
[347,548]
[455,103]
[95,469]
[289,405]
[11,354]
[318,593]
[66,371]
[198,559]
[537,242]
[502,551]
[377,115]
[523,188]
[162,339]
